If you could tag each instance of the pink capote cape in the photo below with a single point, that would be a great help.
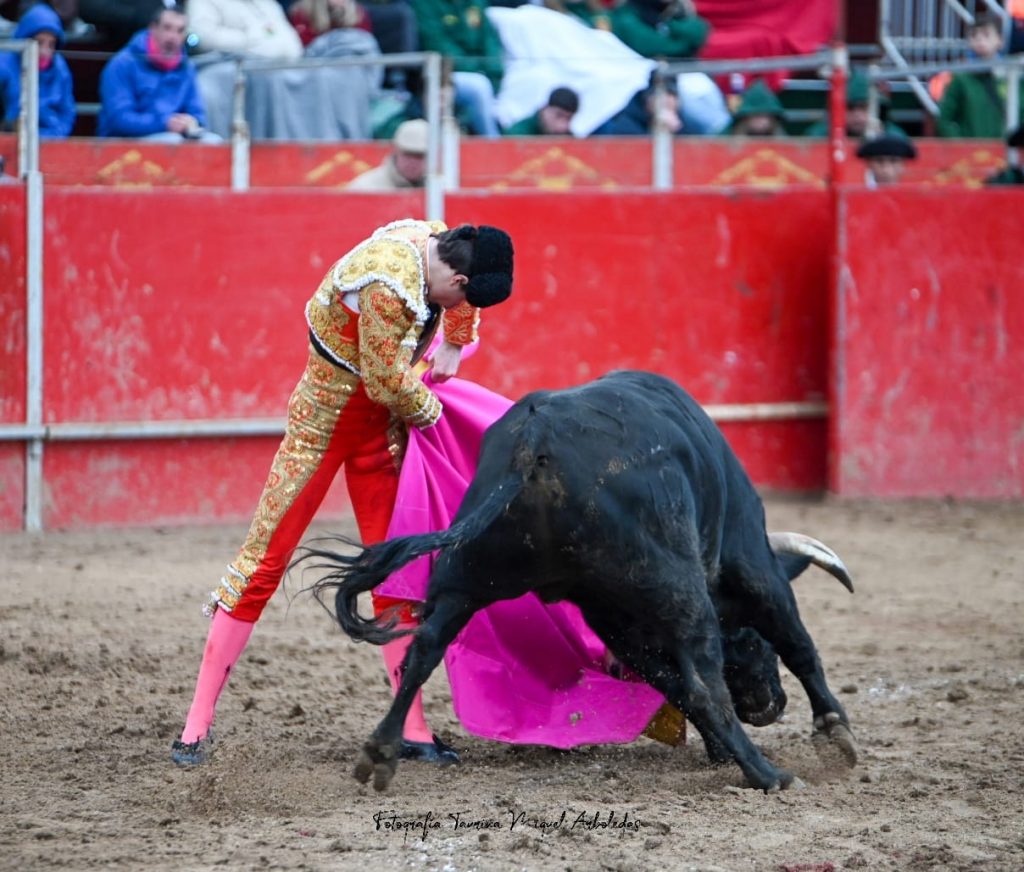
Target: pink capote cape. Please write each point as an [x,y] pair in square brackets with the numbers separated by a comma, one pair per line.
[520,671]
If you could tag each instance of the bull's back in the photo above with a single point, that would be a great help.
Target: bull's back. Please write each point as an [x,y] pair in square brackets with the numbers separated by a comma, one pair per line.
[629,453]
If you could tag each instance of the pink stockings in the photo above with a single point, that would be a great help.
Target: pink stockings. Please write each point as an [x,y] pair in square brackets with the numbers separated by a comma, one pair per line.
[224,645]
[227,639]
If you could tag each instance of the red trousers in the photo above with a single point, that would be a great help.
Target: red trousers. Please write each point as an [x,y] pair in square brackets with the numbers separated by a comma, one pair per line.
[331,423]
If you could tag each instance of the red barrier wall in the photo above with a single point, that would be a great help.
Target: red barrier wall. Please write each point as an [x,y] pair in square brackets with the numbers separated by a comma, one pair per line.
[167,304]
[930,345]
[545,163]
[12,349]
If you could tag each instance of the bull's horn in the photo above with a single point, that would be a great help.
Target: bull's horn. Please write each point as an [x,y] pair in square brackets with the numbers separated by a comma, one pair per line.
[818,553]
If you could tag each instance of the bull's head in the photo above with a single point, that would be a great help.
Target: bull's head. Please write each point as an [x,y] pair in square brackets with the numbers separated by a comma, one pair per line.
[752,673]
[751,665]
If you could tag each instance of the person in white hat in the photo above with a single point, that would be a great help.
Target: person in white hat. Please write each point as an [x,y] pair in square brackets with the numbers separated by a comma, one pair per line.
[405,167]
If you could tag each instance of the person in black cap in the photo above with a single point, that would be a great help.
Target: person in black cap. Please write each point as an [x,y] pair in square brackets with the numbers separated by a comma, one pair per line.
[369,324]
[1011,174]
[554,118]
[886,157]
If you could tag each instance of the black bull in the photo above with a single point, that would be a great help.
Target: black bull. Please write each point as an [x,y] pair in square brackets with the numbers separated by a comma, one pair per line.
[621,496]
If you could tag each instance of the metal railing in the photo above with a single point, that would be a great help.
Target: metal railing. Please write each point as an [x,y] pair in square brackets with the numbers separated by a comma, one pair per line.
[916,32]
[28,169]
[1011,68]
[442,176]
[441,170]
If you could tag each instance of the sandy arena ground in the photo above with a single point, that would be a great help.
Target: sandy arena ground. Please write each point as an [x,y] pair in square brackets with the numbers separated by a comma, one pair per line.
[100,637]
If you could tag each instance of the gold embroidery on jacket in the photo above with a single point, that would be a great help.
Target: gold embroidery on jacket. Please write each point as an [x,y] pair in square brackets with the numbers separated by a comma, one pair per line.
[313,411]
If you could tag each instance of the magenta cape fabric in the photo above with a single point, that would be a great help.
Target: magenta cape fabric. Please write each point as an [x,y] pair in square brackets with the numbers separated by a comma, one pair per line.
[520,671]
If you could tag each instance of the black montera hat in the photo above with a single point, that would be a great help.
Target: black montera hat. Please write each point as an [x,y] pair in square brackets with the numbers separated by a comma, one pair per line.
[1016,138]
[491,279]
[887,146]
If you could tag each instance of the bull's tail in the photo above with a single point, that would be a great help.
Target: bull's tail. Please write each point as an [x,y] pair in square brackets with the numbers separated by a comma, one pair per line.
[349,575]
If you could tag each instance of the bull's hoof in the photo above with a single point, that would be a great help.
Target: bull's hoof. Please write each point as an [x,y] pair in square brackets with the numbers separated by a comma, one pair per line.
[785,781]
[832,736]
[380,762]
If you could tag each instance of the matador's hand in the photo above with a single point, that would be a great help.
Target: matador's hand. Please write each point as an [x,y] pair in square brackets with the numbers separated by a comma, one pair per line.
[445,362]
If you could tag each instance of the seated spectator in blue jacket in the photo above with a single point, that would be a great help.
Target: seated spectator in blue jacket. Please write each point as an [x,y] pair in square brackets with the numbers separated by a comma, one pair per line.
[56,96]
[148,89]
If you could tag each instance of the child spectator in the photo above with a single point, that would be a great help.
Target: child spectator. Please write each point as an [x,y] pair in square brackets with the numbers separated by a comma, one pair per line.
[56,94]
[974,104]
[148,89]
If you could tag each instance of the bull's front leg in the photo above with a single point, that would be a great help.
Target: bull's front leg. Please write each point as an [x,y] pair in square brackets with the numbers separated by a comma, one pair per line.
[687,669]
[702,695]
[779,623]
[379,756]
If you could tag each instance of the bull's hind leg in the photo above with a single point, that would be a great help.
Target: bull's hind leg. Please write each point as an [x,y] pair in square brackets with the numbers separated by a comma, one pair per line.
[776,617]
[686,666]
[379,756]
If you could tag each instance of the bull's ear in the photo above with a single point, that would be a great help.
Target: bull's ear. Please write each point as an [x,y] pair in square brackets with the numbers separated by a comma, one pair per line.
[795,551]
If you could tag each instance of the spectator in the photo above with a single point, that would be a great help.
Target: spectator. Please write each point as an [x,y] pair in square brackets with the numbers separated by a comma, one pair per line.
[148,89]
[1011,174]
[886,157]
[66,9]
[249,28]
[405,167]
[323,103]
[647,106]
[460,30]
[119,20]
[973,104]
[859,122]
[392,23]
[759,113]
[593,13]
[552,119]
[312,18]
[660,28]
[56,94]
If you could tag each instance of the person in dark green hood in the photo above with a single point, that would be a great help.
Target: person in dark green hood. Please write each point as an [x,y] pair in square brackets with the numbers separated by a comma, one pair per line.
[760,113]
[858,120]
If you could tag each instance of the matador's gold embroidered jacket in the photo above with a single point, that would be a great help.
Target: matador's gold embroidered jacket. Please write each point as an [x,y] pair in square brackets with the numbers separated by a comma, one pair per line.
[387,271]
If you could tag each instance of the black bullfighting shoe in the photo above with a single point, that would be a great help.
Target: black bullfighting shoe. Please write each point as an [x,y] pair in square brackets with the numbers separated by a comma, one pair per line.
[429,752]
[193,753]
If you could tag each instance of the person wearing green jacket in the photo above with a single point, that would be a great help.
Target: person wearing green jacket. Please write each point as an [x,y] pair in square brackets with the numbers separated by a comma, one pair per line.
[660,28]
[592,13]
[973,105]
[859,122]
[552,119]
[460,30]
[759,113]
